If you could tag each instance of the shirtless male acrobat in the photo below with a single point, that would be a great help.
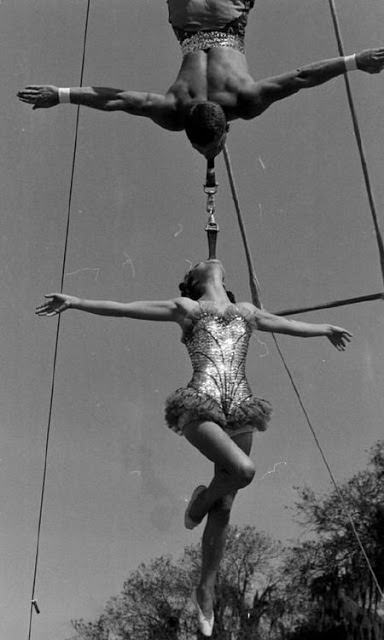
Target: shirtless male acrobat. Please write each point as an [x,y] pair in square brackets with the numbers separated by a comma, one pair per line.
[213,86]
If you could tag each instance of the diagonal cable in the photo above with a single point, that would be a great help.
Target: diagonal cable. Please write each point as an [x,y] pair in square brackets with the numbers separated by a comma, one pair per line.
[253,281]
[256,302]
[359,141]
[33,605]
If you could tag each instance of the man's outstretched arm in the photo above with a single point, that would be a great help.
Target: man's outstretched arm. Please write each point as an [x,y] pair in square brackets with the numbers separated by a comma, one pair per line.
[262,94]
[159,108]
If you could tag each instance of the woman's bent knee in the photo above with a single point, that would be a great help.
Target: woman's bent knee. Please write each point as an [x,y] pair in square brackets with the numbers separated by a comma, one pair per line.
[246,474]
[241,474]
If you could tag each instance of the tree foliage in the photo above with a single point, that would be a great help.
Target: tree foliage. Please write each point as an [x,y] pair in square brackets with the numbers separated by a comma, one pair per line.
[319,588]
[331,565]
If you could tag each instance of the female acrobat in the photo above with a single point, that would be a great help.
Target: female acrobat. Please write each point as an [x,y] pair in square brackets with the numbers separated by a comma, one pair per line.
[216,411]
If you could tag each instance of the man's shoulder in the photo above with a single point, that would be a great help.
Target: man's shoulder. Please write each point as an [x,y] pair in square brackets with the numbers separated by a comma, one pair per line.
[168,112]
[250,102]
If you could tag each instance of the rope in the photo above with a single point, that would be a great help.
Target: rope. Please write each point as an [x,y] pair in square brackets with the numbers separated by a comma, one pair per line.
[253,281]
[337,488]
[359,141]
[295,388]
[33,605]
[331,305]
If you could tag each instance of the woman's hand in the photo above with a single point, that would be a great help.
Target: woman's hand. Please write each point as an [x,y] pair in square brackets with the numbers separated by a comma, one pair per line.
[338,336]
[56,303]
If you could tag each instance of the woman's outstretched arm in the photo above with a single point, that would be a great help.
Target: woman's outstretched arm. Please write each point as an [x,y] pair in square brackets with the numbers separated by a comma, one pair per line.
[165,310]
[266,321]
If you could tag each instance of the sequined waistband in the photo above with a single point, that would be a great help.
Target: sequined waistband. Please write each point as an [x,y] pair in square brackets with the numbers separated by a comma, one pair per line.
[208,39]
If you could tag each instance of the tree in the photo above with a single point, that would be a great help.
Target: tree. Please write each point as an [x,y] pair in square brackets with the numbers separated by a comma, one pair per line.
[155,600]
[331,566]
[151,605]
[318,589]
[247,583]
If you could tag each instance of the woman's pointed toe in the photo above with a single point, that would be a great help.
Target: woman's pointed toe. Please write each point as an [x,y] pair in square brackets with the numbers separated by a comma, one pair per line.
[188,522]
[205,624]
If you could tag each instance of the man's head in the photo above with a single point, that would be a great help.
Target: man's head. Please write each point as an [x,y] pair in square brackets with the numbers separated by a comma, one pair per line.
[206,127]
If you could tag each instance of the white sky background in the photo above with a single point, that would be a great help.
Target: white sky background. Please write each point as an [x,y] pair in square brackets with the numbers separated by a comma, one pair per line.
[117,478]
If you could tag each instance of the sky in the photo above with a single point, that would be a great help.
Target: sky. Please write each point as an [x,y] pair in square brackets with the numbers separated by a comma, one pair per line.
[118,479]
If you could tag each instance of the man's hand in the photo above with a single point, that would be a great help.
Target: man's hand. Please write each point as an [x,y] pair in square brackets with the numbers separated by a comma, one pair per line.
[40,96]
[371,60]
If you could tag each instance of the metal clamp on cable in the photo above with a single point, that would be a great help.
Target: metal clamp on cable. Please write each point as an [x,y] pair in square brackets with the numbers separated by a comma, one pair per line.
[212,228]
[35,606]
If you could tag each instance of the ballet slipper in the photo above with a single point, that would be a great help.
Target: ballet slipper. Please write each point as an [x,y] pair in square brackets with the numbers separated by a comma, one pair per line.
[188,522]
[205,624]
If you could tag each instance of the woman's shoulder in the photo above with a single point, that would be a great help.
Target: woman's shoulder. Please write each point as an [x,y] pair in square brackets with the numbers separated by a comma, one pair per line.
[186,305]
[186,308]
[246,306]
[250,313]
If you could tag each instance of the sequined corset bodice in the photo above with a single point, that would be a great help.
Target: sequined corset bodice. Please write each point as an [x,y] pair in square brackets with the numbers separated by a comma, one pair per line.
[217,344]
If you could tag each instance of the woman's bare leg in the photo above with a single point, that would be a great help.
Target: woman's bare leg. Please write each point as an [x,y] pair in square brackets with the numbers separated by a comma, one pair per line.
[234,454]
[229,455]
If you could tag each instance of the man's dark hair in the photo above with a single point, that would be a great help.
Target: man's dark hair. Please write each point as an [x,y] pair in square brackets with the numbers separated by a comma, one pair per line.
[205,123]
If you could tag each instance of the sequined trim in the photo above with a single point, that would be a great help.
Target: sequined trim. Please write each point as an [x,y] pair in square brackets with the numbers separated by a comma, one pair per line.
[234,28]
[209,39]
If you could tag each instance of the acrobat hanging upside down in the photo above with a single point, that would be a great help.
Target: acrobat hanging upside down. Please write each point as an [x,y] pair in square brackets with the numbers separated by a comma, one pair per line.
[213,85]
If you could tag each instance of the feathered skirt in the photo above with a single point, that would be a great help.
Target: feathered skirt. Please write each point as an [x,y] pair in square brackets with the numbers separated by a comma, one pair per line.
[187,404]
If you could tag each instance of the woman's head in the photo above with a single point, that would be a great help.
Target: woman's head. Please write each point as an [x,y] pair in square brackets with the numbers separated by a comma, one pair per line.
[193,285]
[206,127]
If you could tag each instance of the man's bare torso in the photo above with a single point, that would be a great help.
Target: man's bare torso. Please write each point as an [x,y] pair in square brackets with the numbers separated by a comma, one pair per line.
[220,75]
[217,73]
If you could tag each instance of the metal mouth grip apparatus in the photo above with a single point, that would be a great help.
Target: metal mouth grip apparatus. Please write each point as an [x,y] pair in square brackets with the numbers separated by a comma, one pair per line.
[212,228]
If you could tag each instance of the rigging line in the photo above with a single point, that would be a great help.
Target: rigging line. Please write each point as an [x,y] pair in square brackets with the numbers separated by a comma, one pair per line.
[297,392]
[65,249]
[338,490]
[253,281]
[359,141]
[331,305]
